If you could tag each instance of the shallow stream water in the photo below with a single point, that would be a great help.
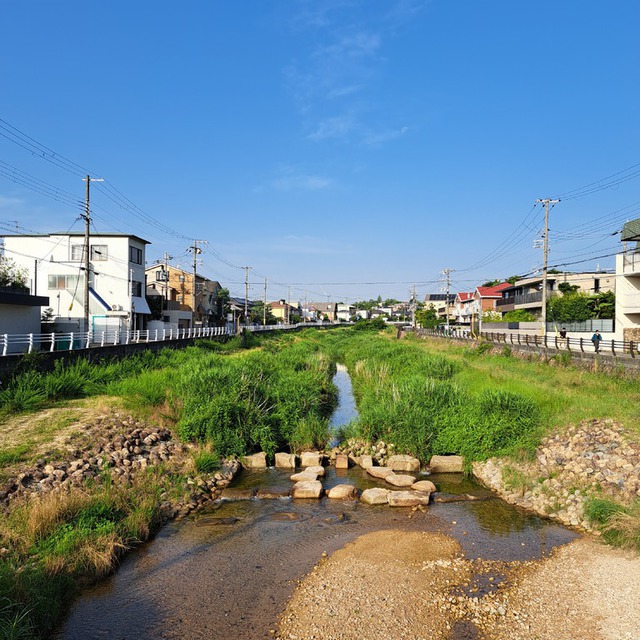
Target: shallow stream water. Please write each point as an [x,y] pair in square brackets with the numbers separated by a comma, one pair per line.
[229,573]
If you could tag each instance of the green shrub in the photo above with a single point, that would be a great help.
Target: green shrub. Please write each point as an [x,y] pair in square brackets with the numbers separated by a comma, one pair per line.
[206,461]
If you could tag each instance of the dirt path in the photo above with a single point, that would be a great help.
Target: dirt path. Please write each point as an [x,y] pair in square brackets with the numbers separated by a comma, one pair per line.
[394,584]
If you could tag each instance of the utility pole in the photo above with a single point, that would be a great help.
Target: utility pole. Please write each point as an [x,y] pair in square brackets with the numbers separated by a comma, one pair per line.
[264,309]
[196,252]
[166,258]
[246,295]
[413,306]
[545,248]
[288,305]
[87,229]
[447,274]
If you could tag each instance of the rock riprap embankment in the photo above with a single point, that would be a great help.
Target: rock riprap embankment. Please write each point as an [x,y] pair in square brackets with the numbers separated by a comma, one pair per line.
[122,448]
[595,458]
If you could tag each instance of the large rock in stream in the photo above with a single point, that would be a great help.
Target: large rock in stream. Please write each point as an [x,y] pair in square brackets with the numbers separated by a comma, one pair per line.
[256,461]
[408,498]
[307,489]
[375,496]
[400,480]
[379,472]
[343,492]
[403,463]
[446,464]
[310,459]
[285,460]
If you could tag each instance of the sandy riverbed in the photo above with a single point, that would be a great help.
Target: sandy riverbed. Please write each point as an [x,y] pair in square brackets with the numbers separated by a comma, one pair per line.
[395,584]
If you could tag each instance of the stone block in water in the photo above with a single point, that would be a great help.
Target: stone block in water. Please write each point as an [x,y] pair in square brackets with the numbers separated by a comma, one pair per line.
[446,464]
[285,460]
[403,463]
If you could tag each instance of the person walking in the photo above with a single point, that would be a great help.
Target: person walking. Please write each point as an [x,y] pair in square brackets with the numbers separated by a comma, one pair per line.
[563,337]
[596,338]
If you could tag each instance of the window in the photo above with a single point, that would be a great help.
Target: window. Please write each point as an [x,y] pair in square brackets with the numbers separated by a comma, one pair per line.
[162,276]
[596,285]
[77,252]
[136,289]
[135,255]
[99,252]
[63,281]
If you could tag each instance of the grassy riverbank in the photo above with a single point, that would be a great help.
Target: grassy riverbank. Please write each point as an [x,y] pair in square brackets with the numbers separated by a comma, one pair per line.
[424,396]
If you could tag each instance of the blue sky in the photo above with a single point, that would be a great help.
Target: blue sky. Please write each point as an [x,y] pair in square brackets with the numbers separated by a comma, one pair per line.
[329,144]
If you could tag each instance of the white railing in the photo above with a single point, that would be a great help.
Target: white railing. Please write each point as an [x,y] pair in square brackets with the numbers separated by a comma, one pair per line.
[14,343]
[17,343]
[548,341]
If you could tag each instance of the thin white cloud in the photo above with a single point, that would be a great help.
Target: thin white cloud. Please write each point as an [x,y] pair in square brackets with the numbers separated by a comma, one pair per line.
[292,180]
[335,127]
[378,138]
[357,45]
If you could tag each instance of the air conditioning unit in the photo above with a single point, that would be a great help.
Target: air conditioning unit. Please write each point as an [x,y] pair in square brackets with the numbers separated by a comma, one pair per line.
[116,307]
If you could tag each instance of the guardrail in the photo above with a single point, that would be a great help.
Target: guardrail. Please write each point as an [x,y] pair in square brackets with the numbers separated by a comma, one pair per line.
[579,345]
[15,344]
[11,343]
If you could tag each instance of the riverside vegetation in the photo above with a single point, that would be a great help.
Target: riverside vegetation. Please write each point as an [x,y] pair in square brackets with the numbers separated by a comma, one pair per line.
[277,394]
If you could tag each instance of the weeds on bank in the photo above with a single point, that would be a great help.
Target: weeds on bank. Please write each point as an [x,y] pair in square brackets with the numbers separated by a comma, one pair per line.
[620,525]
[58,538]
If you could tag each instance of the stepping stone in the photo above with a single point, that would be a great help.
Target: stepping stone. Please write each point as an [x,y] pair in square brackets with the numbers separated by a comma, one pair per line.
[307,489]
[446,464]
[310,459]
[375,496]
[256,461]
[400,480]
[407,498]
[285,460]
[379,472]
[426,486]
[403,463]
[303,476]
[237,494]
[272,494]
[366,462]
[342,461]
[343,492]
[318,470]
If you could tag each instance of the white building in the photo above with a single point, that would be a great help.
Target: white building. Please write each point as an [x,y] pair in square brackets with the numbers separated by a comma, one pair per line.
[55,266]
[628,284]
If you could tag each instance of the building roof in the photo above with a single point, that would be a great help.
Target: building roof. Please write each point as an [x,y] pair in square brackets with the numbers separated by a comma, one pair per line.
[463,296]
[493,292]
[631,230]
[75,234]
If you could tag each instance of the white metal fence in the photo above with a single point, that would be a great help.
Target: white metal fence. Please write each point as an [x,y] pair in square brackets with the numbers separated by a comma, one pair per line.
[548,341]
[16,343]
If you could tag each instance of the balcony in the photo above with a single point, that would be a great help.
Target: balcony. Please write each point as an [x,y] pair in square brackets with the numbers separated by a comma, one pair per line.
[525,298]
[631,263]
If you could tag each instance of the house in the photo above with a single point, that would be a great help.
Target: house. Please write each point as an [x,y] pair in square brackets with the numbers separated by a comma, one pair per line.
[344,312]
[440,302]
[55,266]
[628,283]
[526,293]
[175,292]
[323,309]
[487,297]
[465,308]
[284,311]
[20,312]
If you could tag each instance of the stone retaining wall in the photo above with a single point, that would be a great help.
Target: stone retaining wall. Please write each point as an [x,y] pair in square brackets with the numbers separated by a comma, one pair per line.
[597,458]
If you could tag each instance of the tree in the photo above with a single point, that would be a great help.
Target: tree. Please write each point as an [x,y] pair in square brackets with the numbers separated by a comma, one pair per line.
[11,275]
[565,288]
[389,302]
[427,318]
[47,315]
[491,316]
[574,307]
[518,315]
[491,283]
[222,302]
[256,314]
